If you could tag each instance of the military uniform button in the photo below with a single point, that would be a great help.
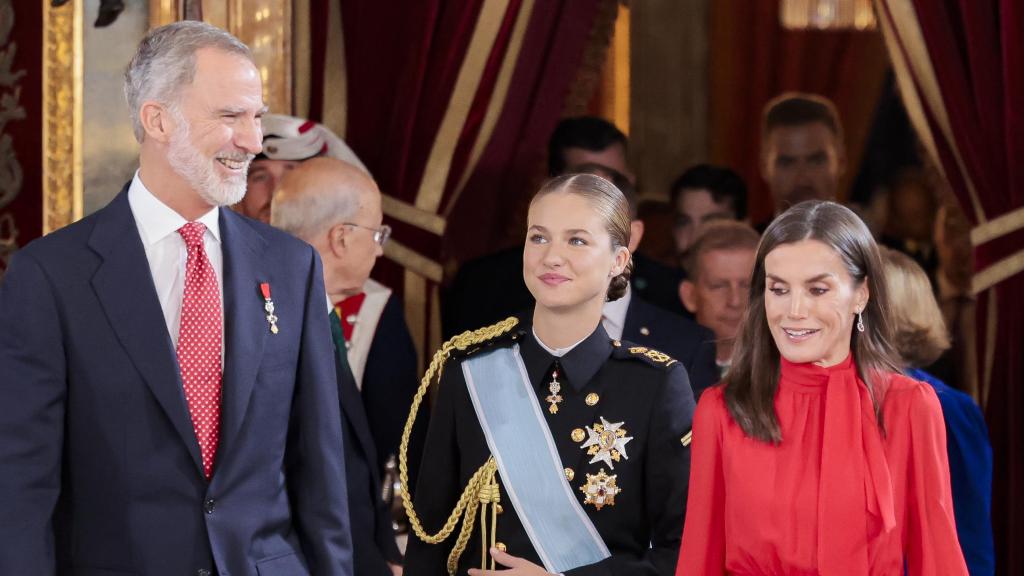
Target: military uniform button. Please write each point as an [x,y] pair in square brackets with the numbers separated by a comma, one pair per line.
[616,343]
[592,399]
[578,435]
[569,474]
[498,508]
[645,331]
[209,505]
[202,572]
[501,546]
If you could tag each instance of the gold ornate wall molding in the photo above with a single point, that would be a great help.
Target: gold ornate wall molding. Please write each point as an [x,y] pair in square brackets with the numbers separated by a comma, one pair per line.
[62,115]
[163,12]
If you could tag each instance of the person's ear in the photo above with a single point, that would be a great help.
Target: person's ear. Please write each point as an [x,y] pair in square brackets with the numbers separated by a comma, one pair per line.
[861,296]
[157,121]
[636,234]
[688,295]
[338,239]
[841,158]
[622,256]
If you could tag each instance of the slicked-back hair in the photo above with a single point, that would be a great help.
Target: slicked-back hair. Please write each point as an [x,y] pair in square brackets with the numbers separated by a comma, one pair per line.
[798,109]
[718,235]
[753,378]
[724,185]
[610,204]
[165,62]
[587,132]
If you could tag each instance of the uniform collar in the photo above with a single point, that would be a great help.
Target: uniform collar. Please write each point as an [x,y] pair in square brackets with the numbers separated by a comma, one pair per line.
[579,365]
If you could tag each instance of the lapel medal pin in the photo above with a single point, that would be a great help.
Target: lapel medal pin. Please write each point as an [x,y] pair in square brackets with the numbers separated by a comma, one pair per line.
[268,306]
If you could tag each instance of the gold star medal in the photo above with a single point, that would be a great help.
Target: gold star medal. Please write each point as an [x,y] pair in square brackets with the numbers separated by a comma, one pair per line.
[600,489]
[606,442]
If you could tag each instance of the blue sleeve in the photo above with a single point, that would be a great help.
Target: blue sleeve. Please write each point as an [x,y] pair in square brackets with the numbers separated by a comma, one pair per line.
[970,470]
[316,467]
[33,392]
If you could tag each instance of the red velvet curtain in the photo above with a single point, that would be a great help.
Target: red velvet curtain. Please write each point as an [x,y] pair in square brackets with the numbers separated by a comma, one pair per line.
[450,104]
[21,127]
[960,64]
[754,59]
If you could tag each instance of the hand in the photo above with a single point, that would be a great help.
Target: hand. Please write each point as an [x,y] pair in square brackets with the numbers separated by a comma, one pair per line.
[396,569]
[516,566]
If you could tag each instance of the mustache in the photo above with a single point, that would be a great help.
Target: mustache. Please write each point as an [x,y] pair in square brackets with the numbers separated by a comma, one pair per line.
[237,157]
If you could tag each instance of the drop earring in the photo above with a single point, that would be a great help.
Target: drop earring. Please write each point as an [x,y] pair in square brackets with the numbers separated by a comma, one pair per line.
[860,321]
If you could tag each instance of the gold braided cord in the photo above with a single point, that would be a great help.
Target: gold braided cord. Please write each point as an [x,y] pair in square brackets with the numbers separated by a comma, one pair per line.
[469,501]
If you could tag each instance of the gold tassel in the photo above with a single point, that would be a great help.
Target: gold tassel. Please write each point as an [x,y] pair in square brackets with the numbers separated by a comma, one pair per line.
[483,480]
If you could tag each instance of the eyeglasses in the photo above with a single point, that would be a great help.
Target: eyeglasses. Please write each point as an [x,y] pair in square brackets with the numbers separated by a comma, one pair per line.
[380,235]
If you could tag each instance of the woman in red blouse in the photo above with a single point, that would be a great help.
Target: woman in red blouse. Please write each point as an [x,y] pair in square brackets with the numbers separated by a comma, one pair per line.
[815,456]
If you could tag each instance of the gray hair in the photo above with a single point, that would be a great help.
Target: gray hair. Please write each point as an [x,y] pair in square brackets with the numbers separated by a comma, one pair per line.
[311,212]
[165,62]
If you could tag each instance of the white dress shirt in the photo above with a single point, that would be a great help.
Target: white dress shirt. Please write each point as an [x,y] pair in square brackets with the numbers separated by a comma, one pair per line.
[614,315]
[165,249]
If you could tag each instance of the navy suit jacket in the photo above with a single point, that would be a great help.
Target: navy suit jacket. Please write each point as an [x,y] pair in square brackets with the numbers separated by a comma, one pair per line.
[680,338]
[100,470]
[373,538]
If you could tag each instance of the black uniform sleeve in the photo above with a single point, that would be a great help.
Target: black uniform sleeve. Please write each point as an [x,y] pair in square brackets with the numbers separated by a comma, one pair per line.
[703,370]
[667,473]
[438,488]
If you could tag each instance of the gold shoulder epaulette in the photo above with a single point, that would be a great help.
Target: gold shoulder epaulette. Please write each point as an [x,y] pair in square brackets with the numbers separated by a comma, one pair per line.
[464,341]
[483,480]
[653,355]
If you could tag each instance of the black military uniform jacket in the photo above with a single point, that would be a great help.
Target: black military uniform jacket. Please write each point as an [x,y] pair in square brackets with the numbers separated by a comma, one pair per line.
[646,391]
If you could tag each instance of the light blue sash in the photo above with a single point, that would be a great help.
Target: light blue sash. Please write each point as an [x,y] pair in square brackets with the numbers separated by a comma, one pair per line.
[530,468]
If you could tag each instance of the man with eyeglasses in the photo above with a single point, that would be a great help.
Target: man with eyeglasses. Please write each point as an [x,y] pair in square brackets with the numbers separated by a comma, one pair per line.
[336,207]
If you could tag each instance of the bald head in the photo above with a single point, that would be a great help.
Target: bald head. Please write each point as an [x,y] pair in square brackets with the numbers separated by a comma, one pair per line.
[335,207]
[320,193]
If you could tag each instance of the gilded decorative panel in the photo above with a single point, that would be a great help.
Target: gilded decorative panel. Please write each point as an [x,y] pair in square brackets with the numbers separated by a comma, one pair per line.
[62,115]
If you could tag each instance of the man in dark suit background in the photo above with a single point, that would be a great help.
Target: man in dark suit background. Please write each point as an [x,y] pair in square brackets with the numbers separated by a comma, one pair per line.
[491,288]
[168,402]
[336,207]
[381,354]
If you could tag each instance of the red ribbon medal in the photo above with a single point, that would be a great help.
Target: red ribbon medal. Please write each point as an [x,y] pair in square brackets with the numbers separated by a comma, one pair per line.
[268,306]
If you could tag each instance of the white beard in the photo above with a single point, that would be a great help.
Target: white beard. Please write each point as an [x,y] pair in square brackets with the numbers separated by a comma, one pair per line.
[200,172]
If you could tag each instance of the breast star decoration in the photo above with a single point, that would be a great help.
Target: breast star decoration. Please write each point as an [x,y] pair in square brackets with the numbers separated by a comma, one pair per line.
[600,489]
[606,442]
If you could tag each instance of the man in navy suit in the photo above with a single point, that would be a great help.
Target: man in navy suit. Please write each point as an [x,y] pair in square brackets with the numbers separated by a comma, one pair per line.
[336,207]
[168,403]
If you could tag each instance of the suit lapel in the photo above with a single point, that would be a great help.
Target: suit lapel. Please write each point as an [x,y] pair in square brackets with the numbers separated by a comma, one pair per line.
[245,324]
[355,413]
[124,287]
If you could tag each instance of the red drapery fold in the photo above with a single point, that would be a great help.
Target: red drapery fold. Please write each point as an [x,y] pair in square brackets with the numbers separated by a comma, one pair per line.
[450,105]
[961,78]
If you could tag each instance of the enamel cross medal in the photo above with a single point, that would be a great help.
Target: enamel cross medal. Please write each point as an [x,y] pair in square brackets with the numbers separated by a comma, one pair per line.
[268,306]
[554,388]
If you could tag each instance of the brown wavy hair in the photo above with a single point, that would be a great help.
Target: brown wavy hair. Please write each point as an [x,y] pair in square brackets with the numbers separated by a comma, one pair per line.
[610,204]
[753,378]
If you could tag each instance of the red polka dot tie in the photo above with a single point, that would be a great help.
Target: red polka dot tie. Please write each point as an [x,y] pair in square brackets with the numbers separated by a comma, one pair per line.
[199,344]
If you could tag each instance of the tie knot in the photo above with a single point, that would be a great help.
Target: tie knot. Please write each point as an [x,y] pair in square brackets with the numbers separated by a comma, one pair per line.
[192,233]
